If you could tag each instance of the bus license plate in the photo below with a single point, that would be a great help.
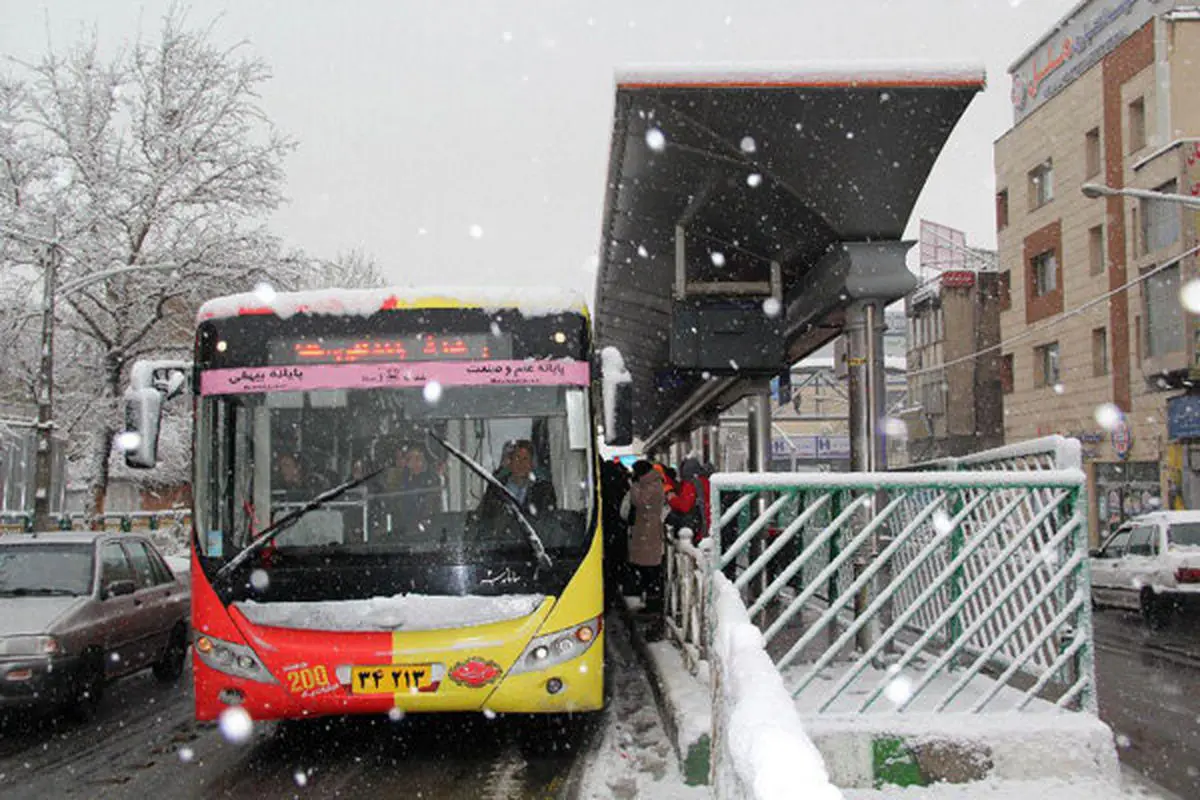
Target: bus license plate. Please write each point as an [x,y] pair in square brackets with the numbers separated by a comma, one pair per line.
[391,678]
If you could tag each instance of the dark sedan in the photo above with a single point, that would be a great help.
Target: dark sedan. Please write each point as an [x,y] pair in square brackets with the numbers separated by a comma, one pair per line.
[80,609]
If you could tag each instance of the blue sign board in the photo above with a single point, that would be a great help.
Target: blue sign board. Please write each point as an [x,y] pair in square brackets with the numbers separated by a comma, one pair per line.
[1183,417]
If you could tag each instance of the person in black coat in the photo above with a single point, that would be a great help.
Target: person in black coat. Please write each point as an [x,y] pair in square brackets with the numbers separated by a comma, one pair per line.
[614,485]
[535,496]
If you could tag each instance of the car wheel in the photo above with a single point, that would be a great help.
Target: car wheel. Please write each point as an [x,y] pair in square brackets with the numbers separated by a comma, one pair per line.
[89,691]
[168,668]
[1154,610]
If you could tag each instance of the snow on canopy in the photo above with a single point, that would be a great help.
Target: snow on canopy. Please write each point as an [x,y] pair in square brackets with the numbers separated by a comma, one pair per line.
[530,301]
[404,612]
[839,73]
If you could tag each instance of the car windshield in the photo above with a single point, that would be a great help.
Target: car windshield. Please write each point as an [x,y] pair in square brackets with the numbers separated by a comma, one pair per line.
[31,569]
[1184,533]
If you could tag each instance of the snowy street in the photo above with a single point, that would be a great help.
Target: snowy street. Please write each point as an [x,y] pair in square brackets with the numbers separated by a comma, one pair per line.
[1146,680]
[145,744]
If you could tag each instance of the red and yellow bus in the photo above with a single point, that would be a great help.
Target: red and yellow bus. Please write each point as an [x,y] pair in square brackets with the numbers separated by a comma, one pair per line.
[395,505]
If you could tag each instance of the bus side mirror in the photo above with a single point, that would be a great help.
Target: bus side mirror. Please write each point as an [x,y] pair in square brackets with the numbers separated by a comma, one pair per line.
[618,398]
[143,413]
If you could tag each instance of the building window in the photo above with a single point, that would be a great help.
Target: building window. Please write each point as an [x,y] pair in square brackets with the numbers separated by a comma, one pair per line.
[1160,221]
[1137,125]
[1002,209]
[1091,152]
[1041,184]
[1004,290]
[1045,365]
[1163,312]
[1099,352]
[1045,273]
[1096,263]
[1006,374]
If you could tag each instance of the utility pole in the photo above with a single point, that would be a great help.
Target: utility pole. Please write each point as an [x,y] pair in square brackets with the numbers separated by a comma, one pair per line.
[45,396]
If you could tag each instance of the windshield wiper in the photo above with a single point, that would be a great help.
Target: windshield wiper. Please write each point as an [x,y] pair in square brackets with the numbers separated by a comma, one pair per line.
[535,541]
[291,518]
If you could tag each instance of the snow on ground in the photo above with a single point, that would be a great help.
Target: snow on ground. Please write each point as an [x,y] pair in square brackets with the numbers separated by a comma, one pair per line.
[1006,790]
[635,758]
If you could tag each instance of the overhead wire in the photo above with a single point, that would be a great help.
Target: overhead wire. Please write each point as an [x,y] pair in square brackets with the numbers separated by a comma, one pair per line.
[1057,320]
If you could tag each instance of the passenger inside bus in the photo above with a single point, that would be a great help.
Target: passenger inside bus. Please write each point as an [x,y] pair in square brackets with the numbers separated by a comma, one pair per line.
[534,495]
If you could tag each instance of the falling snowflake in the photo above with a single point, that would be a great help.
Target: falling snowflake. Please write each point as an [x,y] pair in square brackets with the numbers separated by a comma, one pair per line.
[753,180]
[235,724]
[129,440]
[895,428]
[476,231]
[1059,388]
[899,689]
[432,392]
[642,251]
[1189,296]
[395,714]
[718,259]
[265,293]
[300,778]
[771,307]
[496,329]
[942,523]
[260,580]
[186,754]
[655,140]
[747,144]
[1108,416]
[487,712]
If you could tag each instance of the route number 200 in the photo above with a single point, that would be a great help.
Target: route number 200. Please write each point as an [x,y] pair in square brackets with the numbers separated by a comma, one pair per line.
[302,680]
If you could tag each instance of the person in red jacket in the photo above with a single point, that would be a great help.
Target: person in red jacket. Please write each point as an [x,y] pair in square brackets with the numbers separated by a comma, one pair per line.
[689,499]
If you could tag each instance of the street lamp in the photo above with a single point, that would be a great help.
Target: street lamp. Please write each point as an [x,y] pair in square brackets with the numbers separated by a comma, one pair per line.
[1094,190]
[44,389]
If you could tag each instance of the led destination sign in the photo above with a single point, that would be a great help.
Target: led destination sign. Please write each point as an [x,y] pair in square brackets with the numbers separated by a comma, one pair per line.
[414,347]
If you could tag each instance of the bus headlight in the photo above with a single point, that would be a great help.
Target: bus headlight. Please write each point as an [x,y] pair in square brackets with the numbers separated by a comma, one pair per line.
[237,660]
[550,649]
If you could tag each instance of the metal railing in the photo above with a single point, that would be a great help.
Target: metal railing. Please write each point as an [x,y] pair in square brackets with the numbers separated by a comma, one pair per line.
[1046,452]
[686,587]
[971,585]
[22,521]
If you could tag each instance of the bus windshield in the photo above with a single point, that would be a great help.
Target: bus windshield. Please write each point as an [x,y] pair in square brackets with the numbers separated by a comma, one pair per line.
[427,522]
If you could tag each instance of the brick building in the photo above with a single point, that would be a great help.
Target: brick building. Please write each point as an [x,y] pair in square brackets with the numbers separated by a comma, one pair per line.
[958,409]
[1092,312]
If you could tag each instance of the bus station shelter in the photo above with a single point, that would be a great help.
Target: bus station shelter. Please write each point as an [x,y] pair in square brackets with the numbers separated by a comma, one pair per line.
[752,215]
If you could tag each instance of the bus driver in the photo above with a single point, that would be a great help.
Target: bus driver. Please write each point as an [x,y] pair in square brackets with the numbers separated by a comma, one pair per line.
[534,496]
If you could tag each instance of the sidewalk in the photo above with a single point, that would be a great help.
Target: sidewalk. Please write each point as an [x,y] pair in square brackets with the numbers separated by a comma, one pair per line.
[632,757]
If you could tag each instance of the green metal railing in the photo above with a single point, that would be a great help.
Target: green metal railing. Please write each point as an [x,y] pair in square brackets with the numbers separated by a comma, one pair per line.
[972,585]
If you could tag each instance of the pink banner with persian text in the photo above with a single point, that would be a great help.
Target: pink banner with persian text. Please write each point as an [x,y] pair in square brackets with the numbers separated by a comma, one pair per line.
[307,377]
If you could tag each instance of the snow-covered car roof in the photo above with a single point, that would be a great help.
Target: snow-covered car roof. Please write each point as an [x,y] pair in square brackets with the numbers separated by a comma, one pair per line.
[1168,516]
[53,537]
[530,301]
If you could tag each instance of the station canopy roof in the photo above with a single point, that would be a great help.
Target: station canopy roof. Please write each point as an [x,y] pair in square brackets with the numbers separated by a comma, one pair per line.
[755,166]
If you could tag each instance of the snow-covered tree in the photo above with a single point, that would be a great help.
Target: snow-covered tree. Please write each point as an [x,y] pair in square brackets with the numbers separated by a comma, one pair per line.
[148,175]
[353,269]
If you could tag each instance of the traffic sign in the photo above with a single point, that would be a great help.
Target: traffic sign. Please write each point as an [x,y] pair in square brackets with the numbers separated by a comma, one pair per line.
[1122,439]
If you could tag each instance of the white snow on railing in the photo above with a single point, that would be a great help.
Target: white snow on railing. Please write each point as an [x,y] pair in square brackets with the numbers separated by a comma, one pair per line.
[760,749]
[1046,478]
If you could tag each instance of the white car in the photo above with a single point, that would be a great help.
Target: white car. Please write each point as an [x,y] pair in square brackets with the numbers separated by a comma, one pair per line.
[1150,564]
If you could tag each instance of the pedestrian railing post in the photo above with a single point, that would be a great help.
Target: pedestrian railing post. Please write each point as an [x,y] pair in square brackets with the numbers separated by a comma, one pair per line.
[955,628]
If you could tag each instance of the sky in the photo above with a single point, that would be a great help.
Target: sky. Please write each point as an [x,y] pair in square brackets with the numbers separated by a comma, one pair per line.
[466,142]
